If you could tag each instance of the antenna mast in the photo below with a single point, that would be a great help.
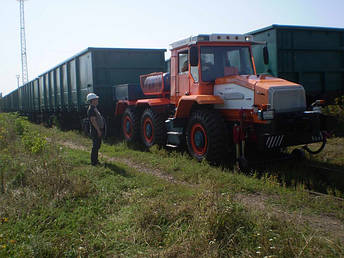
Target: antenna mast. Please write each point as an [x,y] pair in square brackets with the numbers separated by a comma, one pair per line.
[23,43]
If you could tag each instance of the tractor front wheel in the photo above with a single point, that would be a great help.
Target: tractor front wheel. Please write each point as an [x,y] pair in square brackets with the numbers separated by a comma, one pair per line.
[205,136]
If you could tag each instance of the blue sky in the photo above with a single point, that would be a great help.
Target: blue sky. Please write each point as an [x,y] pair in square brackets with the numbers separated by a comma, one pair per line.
[56,30]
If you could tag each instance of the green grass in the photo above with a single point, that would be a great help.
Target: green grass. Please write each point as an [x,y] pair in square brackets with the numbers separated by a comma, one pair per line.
[55,204]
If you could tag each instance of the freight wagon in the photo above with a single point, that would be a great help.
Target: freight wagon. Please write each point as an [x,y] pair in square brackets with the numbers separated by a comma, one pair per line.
[10,102]
[311,56]
[61,91]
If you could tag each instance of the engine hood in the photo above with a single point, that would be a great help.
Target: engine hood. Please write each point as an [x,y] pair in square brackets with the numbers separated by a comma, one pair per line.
[266,89]
[262,82]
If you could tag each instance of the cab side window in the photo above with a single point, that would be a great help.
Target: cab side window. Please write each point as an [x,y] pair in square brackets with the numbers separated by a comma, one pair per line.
[183,62]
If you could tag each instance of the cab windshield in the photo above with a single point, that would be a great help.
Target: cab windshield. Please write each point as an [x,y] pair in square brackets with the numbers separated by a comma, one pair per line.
[217,62]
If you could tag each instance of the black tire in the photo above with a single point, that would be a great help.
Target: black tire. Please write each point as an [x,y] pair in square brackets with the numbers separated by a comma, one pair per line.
[130,125]
[206,137]
[153,128]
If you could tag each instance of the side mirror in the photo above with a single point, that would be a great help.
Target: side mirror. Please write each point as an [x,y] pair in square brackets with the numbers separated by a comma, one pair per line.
[266,55]
[193,56]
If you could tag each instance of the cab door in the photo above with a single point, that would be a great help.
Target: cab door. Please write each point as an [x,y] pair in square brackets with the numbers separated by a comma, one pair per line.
[183,86]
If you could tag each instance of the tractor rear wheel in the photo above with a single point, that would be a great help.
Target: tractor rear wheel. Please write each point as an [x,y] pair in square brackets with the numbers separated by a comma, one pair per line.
[153,128]
[130,125]
[205,136]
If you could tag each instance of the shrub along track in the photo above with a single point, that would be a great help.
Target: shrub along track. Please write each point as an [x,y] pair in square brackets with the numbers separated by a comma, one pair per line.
[321,223]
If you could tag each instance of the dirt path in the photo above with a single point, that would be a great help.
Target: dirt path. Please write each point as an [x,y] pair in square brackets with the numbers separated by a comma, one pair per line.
[321,223]
[139,167]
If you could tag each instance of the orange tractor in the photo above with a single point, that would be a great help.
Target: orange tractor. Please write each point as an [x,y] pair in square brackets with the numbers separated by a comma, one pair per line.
[214,102]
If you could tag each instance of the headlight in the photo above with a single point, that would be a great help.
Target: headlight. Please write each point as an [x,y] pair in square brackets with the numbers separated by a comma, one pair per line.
[317,109]
[268,115]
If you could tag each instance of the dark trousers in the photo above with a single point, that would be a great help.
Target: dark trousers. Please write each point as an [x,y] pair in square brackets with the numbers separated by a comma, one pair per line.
[95,148]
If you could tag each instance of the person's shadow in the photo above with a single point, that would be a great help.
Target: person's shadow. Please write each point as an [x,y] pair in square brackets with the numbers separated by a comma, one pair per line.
[116,170]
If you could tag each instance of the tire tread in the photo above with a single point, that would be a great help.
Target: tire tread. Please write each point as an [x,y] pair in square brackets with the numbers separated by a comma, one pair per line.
[215,129]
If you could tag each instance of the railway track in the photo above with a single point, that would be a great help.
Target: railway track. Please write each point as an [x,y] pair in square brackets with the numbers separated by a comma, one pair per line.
[318,179]
[322,194]
[334,170]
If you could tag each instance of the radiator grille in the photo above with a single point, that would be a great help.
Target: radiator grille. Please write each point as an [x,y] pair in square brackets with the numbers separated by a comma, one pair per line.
[287,99]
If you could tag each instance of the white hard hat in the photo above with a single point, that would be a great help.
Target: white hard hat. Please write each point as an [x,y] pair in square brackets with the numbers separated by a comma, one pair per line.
[91,96]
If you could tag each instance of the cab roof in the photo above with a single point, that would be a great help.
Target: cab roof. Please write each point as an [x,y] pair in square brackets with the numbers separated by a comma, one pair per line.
[214,38]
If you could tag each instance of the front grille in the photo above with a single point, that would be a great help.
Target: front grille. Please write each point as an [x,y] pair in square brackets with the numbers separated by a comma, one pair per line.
[287,99]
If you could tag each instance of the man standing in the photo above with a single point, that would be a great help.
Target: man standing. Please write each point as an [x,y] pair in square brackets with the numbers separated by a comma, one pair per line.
[97,126]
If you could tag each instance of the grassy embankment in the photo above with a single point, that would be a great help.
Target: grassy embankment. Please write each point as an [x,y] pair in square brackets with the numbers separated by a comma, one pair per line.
[53,203]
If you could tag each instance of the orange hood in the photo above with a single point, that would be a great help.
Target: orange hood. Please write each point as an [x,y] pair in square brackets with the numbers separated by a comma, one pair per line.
[260,84]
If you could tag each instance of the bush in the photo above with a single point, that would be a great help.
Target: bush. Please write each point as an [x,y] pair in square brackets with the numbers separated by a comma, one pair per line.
[5,162]
[33,142]
[3,133]
[7,132]
[337,111]
[20,126]
[20,179]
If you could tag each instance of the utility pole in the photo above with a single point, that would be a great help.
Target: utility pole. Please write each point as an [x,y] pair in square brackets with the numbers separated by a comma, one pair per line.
[23,43]
[18,76]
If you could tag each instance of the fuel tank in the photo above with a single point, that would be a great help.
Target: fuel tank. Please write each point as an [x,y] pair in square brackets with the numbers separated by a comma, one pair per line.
[155,83]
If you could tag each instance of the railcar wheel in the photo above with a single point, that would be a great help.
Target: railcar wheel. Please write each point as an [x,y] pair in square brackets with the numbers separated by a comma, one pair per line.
[130,125]
[153,128]
[205,136]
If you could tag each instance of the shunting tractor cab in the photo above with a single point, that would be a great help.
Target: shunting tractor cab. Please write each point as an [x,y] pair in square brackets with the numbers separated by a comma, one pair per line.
[214,102]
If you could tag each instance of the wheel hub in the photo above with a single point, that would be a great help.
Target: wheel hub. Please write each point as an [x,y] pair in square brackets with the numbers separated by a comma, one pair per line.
[127,127]
[148,130]
[199,139]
